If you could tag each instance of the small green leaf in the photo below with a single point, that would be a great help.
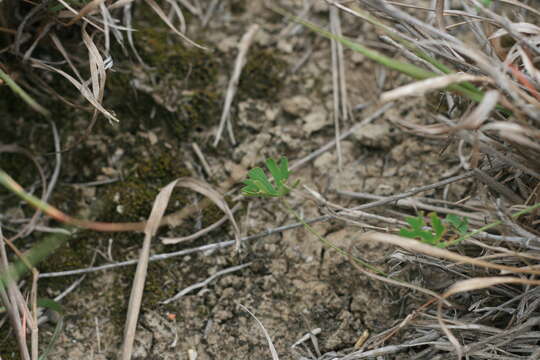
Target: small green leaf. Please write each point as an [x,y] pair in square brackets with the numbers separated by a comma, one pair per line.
[50,304]
[460,224]
[419,230]
[258,184]
[260,179]
[416,227]
[437,226]
[274,170]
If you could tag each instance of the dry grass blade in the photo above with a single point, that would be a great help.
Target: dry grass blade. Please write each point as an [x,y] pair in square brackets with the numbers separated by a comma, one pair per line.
[206,190]
[439,10]
[201,232]
[339,85]
[516,133]
[471,285]
[135,299]
[394,282]
[87,9]
[83,88]
[205,282]
[64,53]
[486,282]
[75,12]
[120,3]
[166,20]
[266,335]
[420,88]
[416,246]
[525,28]
[481,112]
[521,5]
[243,48]
[98,75]
[8,295]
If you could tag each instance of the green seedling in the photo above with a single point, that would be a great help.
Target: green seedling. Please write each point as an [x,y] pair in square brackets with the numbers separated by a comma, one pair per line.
[258,184]
[439,228]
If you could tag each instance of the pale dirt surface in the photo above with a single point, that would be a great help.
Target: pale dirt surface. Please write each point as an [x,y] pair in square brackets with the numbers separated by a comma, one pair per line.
[293,285]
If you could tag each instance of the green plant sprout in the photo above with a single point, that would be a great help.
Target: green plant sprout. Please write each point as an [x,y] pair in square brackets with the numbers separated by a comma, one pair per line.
[258,184]
[439,228]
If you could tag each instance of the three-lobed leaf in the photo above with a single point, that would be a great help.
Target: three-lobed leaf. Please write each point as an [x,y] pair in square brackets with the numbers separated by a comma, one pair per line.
[258,184]
[460,224]
[418,229]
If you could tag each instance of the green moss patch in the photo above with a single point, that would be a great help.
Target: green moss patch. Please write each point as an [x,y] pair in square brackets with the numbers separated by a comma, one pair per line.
[170,58]
[196,111]
[262,76]
[132,199]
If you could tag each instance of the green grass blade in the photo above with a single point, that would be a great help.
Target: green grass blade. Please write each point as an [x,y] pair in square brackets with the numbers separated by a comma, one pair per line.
[411,70]
[23,94]
[33,256]
[409,45]
[56,334]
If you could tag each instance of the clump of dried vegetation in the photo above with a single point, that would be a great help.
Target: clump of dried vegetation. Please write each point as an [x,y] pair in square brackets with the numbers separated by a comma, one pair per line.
[483,59]
[488,52]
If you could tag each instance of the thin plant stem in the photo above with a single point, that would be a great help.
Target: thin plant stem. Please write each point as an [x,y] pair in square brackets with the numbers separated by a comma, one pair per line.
[23,94]
[325,241]
[495,223]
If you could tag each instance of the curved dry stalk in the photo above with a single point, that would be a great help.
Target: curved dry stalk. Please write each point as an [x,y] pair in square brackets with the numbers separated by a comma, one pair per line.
[135,299]
[87,9]
[266,335]
[420,88]
[28,228]
[471,285]
[243,48]
[198,234]
[165,19]
[172,219]
[206,190]
[416,246]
